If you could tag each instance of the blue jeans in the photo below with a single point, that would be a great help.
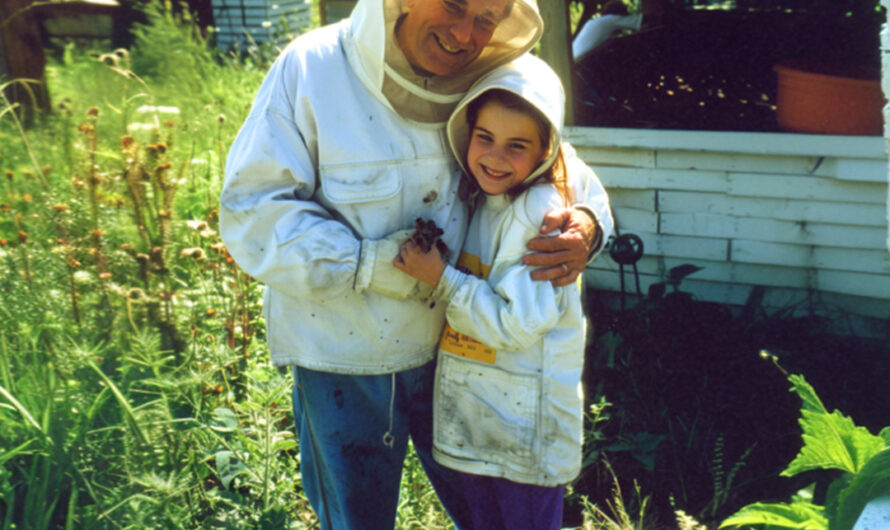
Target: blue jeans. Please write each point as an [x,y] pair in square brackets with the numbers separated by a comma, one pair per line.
[350,476]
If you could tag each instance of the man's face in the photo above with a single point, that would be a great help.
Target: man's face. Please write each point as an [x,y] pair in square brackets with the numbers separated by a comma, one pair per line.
[444,36]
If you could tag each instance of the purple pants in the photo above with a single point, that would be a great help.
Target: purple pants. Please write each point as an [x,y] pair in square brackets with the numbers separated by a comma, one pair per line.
[501,504]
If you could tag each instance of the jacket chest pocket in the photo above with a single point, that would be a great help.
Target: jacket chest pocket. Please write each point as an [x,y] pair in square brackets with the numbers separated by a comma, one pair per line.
[483,413]
[365,196]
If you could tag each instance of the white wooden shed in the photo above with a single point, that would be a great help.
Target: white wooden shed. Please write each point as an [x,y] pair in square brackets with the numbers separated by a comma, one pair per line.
[244,23]
[799,220]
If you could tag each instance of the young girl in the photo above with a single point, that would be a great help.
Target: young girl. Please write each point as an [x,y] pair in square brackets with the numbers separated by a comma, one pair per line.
[507,406]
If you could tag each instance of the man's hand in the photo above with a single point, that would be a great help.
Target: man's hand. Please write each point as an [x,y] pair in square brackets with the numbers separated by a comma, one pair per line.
[426,267]
[564,256]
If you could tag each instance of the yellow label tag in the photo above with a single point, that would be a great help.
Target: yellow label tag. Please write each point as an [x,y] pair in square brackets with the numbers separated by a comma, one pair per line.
[457,343]
[462,345]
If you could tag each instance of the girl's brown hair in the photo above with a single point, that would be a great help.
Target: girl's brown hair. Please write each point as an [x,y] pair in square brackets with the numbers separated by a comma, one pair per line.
[555,174]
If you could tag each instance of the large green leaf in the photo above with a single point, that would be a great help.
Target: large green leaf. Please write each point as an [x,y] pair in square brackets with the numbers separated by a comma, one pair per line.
[831,441]
[872,481]
[798,515]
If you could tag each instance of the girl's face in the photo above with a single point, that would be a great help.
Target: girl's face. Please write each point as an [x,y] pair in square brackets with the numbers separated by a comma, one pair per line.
[505,147]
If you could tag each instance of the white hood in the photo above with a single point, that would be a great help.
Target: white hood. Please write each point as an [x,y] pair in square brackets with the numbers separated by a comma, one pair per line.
[531,79]
[376,58]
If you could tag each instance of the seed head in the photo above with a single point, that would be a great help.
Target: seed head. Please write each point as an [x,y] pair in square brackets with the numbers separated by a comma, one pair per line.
[23,237]
[127,141]
[136,294]
[93,111]
[195,253]
[221,118]
[104,275]
[61,207]
[9,175]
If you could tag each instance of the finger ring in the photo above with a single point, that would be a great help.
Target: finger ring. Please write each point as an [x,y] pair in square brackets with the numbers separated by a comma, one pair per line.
[565,269]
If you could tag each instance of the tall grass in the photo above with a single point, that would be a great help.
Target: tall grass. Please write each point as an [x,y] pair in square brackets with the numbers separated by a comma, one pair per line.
[135,388]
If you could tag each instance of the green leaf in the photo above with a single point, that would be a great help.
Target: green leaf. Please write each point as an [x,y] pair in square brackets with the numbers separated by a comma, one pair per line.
[806,393]
[831,441]
[798,515]
[224,420]
[885,434]
[872,481]
[228,466]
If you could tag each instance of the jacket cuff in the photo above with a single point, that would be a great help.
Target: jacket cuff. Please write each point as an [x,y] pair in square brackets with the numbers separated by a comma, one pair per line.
[448,284]
[597,246]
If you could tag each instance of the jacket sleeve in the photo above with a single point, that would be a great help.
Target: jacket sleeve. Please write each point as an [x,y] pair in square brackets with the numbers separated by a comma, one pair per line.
[590,196]
[509,310]
[268,220]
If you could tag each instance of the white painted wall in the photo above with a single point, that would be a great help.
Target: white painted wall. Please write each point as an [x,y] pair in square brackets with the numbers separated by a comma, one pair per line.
[804,216]
[258,21]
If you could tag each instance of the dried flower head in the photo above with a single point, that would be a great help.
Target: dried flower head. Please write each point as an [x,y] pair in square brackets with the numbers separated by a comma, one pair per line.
[9,175]
[61,207]
[195,253]
[136,294]
[197,224]
[105,275]
[127,141]
[93,111]
[160,147]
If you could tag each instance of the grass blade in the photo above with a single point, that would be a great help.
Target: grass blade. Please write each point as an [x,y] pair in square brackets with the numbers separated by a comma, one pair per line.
[126,408]
[24,412]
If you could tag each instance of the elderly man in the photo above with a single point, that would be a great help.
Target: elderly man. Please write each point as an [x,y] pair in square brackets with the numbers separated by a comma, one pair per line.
[343,149]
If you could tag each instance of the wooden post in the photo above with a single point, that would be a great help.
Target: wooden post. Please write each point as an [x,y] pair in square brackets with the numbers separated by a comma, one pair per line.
[556,46]
[25,59]
[885,85]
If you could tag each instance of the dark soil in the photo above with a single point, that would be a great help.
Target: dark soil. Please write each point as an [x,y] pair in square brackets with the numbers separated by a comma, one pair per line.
[688,378]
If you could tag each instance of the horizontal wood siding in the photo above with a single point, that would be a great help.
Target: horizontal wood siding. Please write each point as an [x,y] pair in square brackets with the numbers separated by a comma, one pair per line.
[245,22]
[803,216]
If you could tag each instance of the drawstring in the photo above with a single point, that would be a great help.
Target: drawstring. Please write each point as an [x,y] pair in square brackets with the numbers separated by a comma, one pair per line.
[388,438]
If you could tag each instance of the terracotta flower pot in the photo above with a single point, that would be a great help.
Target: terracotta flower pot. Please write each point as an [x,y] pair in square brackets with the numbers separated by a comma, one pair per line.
[827,99]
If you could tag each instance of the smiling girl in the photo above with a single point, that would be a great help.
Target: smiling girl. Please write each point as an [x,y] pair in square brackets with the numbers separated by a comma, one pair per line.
[507,405]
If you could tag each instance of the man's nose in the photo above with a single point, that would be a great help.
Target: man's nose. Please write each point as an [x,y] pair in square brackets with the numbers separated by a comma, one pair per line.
[462,30]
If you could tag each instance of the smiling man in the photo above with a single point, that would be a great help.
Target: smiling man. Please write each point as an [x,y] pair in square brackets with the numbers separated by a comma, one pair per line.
[343,150]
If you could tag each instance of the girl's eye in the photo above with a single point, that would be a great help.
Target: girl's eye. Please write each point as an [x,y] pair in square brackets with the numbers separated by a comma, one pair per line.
[517,147]
[483,137]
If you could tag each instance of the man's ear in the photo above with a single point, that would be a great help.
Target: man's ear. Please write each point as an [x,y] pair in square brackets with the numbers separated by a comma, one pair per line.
[410,4]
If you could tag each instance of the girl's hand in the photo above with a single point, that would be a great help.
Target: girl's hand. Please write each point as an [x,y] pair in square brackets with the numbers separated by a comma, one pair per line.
[426,267]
